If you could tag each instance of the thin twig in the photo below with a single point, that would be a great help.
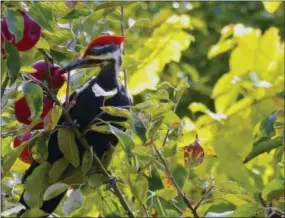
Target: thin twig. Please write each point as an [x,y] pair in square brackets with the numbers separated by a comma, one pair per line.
[180,191]
[123,34]
[4,85]
[7,134]
[207,193]
[85,144]
[72,47]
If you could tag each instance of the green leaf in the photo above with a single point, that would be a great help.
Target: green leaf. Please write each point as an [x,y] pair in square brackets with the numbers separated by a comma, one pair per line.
[249,210]
[87,161]
[124,139]
[43,44]
[110,4]
[264,130]
[34,212]
[179,90]
[273,190]
[167,194]
[263,146]
[73,203]
[10,158]
[271,7]
[102,128]
[281,95]
[68,146]
[73,177]
[55,190]
[34,96]
[15,23]
[152,129]
[36,184]
[118,112]
[75,13]
[96,180]
[162,108]
[43,14]
[39,147]
[140,187]
[57,169]
[13,61]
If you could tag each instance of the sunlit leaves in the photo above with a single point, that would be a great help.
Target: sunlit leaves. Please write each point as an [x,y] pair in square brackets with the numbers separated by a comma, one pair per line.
[273,190]
[36,184]
[68,146]
[221,47]
[10,158]
[166,194]
[43,14]
[271,7]
[249,210]
[115,111]
[165,45]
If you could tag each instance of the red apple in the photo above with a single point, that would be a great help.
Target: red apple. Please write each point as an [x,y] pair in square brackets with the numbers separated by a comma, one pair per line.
[31,33]
[25,155]
[23,113]
[57,79]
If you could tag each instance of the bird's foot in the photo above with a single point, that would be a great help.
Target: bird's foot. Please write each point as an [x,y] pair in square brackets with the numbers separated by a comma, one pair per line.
[72,124]
[112,181]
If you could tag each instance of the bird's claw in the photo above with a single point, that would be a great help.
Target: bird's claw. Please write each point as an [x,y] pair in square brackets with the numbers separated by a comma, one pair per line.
[111,182]
[72,124]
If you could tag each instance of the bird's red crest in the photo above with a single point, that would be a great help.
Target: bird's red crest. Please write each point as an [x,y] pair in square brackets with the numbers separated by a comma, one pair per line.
[104,40]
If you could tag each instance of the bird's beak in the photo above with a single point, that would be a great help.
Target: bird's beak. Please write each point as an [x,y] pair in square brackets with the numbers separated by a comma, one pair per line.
[79,63]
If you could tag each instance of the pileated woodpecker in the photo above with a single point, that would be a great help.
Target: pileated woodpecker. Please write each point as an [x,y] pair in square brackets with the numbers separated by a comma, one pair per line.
[85,102]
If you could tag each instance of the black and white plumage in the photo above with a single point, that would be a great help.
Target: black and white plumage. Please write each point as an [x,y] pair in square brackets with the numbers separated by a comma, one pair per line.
[86,102]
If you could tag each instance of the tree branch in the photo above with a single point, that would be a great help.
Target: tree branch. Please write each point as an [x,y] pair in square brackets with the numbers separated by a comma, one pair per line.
[180,191]
[207,193]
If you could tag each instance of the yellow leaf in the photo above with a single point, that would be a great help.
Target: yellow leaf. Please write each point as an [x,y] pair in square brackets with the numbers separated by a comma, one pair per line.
[165,45]
[62,93]
[271,6]
[267,52]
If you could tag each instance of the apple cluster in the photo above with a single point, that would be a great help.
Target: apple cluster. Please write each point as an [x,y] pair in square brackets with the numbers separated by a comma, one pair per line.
[47,73]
